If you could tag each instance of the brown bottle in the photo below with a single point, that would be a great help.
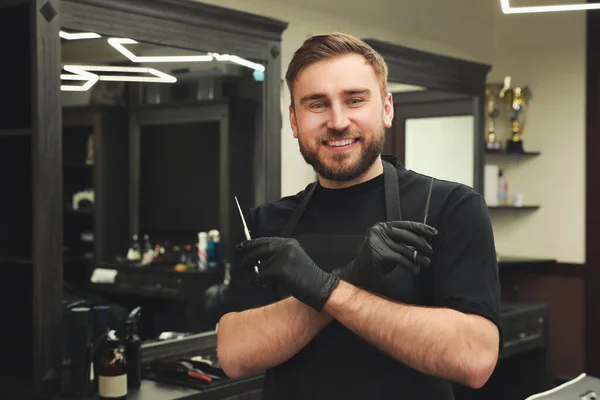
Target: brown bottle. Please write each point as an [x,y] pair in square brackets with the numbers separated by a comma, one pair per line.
[111,369]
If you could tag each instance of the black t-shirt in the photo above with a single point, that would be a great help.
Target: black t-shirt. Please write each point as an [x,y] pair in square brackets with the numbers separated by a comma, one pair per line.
[463,274]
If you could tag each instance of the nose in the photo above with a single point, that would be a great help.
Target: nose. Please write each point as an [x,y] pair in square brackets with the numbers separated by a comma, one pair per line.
[338,120]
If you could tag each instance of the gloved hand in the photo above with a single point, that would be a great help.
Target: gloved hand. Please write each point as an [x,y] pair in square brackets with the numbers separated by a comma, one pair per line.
[284,262]
[388,245]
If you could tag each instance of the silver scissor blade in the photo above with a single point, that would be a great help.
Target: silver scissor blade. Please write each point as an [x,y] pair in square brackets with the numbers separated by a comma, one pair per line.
[246,231]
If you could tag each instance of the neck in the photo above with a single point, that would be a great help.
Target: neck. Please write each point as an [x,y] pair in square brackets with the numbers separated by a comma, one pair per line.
[374,170]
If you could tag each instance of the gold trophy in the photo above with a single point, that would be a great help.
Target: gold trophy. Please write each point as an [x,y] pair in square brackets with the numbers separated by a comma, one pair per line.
[518,100]
[492,98]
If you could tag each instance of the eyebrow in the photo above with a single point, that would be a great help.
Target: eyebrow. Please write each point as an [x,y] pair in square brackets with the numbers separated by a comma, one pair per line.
[321,96]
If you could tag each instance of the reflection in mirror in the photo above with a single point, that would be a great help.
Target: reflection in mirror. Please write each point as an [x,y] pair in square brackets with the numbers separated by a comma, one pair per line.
[433,132]
[150,137]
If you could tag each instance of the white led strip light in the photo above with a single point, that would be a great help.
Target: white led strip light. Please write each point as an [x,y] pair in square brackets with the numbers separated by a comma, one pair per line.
[78,75]
[84,73]
[79,35]
[118,44]
[507,9]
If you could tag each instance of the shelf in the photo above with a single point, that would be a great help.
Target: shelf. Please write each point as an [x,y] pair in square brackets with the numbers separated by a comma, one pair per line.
[513,208]
[15,132]
[85,211]
[15,260]
[513,154]
[525,261]
[76,164]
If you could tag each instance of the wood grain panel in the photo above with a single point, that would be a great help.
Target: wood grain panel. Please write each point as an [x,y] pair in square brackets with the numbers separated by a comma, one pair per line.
[565,298]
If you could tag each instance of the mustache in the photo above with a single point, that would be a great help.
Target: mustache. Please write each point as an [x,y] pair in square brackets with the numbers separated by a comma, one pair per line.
[340,135]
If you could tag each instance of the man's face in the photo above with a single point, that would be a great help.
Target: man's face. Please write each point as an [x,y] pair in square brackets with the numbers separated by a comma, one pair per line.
[339,116]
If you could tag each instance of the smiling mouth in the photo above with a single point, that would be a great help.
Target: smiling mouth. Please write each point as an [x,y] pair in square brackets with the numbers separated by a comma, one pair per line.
[340,143]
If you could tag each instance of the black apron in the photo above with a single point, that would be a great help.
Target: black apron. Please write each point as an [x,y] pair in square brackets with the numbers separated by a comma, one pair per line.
[337,364]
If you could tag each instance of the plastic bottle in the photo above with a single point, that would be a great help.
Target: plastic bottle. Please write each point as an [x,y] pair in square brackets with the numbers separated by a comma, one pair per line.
[502,188]
[214,248]
[202,251]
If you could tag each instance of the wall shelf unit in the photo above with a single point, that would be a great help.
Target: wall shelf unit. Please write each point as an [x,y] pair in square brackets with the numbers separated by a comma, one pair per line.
[503,160]
[15,132]
[505,154]
[105,127]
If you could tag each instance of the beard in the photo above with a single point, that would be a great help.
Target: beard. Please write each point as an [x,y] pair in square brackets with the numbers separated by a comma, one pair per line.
[340,167]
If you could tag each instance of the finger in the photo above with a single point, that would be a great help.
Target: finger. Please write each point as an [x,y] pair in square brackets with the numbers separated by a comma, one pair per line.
[404,262]
[251,244]
[420,259]
[264,277]
[408,252]
[409,238]
[252,257]
[416,227]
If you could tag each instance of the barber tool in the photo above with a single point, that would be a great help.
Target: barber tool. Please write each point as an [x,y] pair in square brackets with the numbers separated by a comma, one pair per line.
[181,369]
[246,231]
[427,203]
[425,215]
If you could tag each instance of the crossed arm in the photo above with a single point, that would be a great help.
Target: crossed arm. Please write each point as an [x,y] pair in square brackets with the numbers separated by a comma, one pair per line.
[436,341]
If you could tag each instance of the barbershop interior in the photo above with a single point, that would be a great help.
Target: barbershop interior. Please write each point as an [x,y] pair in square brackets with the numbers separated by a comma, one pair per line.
[134,134]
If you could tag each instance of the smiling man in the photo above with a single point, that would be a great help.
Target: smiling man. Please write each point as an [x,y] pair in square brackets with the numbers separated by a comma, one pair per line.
[354,297]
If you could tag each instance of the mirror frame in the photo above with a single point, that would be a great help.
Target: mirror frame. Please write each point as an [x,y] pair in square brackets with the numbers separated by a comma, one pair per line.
[197,26]
[443,73]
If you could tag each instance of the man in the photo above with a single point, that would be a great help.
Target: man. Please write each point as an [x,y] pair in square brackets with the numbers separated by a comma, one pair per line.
[354,298]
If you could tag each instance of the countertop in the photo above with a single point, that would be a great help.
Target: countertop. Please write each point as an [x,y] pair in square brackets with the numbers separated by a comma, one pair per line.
[151,390]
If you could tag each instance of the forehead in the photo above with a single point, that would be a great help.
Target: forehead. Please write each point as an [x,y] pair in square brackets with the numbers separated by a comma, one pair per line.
[334,75]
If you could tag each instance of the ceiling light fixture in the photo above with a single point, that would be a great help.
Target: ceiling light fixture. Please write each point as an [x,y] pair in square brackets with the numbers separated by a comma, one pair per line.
[84,72]
[159,76]
[507,9]
[239,60]
[118,44]
[78,75]
[78,35]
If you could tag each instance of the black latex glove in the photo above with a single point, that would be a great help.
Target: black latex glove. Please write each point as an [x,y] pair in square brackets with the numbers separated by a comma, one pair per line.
[284,262]
[389,245]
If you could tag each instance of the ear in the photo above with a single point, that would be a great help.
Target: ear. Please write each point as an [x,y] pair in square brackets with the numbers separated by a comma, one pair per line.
[293,122]
[388,110]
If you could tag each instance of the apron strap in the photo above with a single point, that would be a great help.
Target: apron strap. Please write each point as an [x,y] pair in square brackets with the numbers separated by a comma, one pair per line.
[392,194]
[291,223]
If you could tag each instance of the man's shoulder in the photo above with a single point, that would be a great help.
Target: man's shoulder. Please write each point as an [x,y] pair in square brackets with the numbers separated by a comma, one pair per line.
[270,218]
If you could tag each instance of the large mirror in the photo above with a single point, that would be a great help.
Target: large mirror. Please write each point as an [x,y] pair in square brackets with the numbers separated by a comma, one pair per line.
[438,126]
[157,141]
[433,132]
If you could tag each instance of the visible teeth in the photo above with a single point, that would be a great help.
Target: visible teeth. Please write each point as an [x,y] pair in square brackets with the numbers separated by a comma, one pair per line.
[339,143]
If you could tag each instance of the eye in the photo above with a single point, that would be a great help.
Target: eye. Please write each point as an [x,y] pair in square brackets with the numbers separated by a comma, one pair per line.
[319,105]
[355,101]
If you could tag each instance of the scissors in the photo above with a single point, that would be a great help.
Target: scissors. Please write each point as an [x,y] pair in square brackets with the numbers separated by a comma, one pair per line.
[246,231]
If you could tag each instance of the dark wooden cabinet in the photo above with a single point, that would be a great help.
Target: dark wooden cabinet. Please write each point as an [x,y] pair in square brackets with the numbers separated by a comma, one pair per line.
[95,156]
[31,194]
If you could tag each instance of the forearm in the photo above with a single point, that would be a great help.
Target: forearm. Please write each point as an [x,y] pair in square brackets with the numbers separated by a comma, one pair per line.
[436,341]
[260,338]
